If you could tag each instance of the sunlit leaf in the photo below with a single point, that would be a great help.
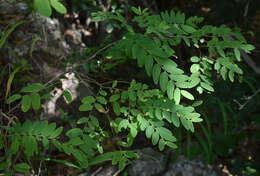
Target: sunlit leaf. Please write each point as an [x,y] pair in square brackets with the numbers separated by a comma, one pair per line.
[43,6]
[59,7]
[177,95]
[186,94]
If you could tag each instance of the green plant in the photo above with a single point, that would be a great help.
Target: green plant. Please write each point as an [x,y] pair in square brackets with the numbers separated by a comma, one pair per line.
[44,7]
[231,127]
[137,108]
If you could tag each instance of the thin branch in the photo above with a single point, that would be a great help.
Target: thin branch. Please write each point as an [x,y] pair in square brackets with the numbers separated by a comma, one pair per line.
[241,106]
[70,70]
[80,64]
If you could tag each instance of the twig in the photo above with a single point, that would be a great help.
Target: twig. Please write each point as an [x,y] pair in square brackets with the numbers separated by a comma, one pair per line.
[80,64]
[250,62]
[70,69]
[241,106]
[97,171]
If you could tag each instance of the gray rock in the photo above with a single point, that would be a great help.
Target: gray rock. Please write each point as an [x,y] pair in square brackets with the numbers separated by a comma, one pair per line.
[48,31]
[188,167]
[48,53]
[149,163]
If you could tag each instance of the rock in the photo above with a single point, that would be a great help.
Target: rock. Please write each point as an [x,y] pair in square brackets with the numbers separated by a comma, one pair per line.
[40,41]
[190,167]
[108,170]
[151,163]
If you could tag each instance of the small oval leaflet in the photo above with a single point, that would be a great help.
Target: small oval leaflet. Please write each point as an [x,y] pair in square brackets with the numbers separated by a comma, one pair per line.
[133,131]
[36,87]
[195,59]
[170,89]
[149,65]
[74,132]
[149,131]
[114,97]
[172,145]
[100,108]
[22,167]
[88,99]
[83,120]
[155,138]
[57,132]
[67,96]
[59,7]
[177,96]
[13,98]
[43,6]
[166,134]
[26,103]
[102,100]
[194,68]
[85,107]
[161,144]
[36,101]
[186,94]
[206,86]
[164,81]
[116,108]
[156,73]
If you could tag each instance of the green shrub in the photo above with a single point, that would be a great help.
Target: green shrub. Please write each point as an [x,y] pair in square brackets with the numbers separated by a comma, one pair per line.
[137,108]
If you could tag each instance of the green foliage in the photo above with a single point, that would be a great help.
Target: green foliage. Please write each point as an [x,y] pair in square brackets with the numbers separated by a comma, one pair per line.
[31,138]
[136,108]
[29,100]
[44,7]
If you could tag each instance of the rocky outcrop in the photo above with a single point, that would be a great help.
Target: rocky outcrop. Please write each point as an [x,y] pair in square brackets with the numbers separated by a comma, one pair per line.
[39,41]
[152,163]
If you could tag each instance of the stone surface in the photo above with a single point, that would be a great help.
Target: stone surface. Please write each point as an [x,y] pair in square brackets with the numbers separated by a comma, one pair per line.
[151,163]
[187,167]
[41,42]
